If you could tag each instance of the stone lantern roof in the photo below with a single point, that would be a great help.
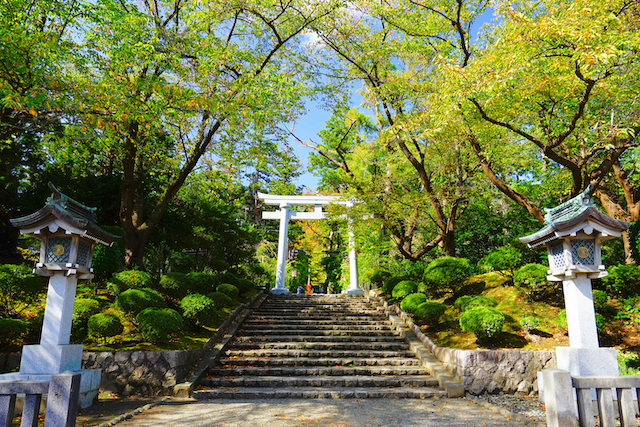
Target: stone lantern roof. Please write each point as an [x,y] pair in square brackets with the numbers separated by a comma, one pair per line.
[71,215]
[575,215]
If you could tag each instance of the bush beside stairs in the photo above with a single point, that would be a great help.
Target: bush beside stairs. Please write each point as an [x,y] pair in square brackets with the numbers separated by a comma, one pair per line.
[318,346]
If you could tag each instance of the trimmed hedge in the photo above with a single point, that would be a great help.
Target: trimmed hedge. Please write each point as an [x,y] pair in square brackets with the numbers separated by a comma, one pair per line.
[156,324]
[534,278]
[104,325]
[229,290]
[623,281]
[504,258]
[377,275]
[411,302]
[202,283]
[404,288]
[176,285]
[84,308]
[199,309]
[221,300]
[469,302]
[227,277]
[430,312]
[244,285]
[12,331]
[128,279]
[133,301]
[445,274]
[485,322]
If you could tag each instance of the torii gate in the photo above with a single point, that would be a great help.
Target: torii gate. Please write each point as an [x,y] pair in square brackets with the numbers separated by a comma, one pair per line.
[285,214]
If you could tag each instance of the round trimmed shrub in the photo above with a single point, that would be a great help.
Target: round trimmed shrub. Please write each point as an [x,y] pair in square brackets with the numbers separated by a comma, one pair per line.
[377,275]
[485,322]
[202,283]
[133,301]
[411,302]
[390,283]
[155,324]
[244,285]
[461,303]
[221,300]
[430,312]
[104,325]
[84,308]
[445,274]
[229,290]
[623,281]
[228,277]
[128,279]
[480,301]
[529,323]
[533,277]
[217,264]
[404,288]
[12,331]
[561,320]
[198,309]
[504,258]
[176,285]
[600,299]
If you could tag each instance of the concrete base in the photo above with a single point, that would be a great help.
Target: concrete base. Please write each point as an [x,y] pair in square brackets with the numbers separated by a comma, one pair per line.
[280,291]
[48,359]
[89,383]
[356,291]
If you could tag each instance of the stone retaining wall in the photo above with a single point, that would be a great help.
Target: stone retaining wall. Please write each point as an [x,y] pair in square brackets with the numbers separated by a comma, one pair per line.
[484,371]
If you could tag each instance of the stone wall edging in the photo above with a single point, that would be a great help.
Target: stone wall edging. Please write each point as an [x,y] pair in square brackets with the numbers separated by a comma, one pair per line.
[484,371]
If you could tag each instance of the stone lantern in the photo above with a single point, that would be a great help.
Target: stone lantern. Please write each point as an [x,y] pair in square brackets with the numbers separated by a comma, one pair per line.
[68,234]
[573,233]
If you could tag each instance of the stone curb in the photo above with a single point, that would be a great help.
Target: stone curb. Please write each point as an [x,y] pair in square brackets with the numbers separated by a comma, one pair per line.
[184,390]
[417,340]
[129,415]
[521,419]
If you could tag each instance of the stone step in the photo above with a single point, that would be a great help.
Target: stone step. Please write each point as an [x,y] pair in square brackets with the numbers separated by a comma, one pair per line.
[321,393]
[324,361]
[321,381]
[316,312]
[303,317]
[316,333]
[318,338]
[231,371]
[318,353]
[311,327]
[293,321]
[320,345]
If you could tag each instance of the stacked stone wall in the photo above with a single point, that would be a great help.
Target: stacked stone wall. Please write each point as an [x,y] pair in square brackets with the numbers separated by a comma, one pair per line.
[484,371]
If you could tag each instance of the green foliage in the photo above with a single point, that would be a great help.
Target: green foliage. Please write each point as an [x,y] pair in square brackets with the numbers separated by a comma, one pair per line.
[108,260]
[84,308]
[469,302]
[199,309]
[561,320]
[156,324]
[506,258]
[391,283]
[228,277]
[221,300]
[12,331]
[404,288]
[229,290]
[244,285]
[623,281]
[533,277]
[202,283]
[18,287]
[461,303]
[445,274]
[104,325]
[377,276]
[600,299]
[411,302]
[176,285]
[628,363]
[218,265]
[430,312]
[485,322]
[128,279]
[133,301]
[529,323]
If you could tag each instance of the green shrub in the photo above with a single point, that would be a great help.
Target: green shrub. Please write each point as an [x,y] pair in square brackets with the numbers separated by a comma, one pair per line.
[229,290]
[107,260]
[461,303]
[404,288]
[244,286]
[600,299]
[133,301]
[128,279]
[411,302]
[156,324]
[12,331]
[104,325]
[199,309]
[623,281]
[628,363]
[529,323]
[221,300]
[600,322]
[533,277]
[506,258]
[485,322]
[377,276]
[176,285]
[430,312]
[391,283]
[445,274]
[84,308]
[18,287]
[202,283]
[227,277]
[480,301]
[561,320]
[217,264]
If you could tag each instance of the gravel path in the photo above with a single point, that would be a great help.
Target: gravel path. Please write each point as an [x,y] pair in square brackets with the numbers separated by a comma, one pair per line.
[333,413]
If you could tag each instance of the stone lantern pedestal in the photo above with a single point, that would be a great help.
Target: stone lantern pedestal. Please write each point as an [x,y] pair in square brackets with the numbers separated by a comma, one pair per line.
[68,233]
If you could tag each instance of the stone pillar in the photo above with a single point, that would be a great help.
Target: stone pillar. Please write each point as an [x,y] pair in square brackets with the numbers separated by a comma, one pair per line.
[559,400]
[353,288]
[581,315]
[58,313]
[282,250]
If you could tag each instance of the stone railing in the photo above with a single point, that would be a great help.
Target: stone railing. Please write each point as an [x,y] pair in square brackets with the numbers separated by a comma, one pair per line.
[483,371]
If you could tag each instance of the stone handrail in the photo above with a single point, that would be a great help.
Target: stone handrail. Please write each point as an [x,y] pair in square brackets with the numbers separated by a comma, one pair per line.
[62,393]
[562,409]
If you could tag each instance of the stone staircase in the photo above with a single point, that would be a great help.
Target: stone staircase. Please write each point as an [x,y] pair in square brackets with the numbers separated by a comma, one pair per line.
[318,346]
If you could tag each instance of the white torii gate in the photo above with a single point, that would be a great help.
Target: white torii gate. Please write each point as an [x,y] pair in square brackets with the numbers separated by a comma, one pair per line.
[285,214]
